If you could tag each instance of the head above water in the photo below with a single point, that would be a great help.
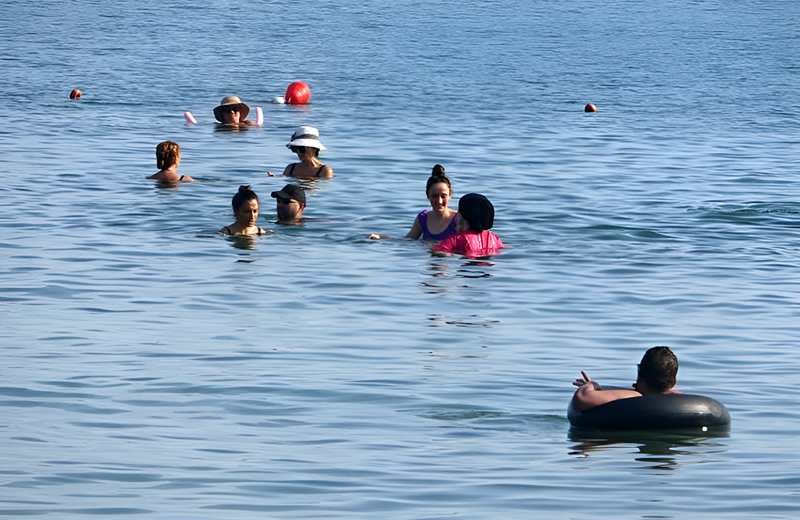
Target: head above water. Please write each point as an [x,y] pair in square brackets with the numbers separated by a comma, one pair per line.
[477,210]
[659,369]
[305,137]
[245,194]
[290,203]
[231,104]
[292,192]
[438,175]
[168,153]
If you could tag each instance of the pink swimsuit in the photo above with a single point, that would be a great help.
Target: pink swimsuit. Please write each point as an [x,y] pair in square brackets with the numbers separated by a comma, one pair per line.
[472,244]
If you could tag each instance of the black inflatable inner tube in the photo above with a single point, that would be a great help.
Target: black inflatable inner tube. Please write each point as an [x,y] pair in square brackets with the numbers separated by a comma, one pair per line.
[654,412]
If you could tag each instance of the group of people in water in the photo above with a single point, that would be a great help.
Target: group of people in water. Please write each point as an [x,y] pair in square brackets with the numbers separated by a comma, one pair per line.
[464,232]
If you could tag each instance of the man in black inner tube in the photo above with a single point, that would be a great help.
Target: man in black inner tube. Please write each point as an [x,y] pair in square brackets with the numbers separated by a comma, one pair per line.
[658,373]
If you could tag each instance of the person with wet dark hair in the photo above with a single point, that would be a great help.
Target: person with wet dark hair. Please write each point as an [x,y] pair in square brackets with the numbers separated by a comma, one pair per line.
[657,374]
[245,208]
[440,223]
[473,238]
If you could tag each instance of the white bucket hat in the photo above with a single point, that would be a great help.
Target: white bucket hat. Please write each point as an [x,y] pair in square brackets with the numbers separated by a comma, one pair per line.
[306,136]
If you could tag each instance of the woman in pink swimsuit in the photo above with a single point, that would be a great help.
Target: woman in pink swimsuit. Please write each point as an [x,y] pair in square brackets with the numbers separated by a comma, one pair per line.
[473,238]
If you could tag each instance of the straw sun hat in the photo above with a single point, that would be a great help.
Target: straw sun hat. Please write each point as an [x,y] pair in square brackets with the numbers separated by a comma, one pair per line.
[306,136]
[228,101]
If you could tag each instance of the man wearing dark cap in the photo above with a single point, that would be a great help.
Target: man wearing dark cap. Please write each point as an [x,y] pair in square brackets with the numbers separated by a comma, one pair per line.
[291,202]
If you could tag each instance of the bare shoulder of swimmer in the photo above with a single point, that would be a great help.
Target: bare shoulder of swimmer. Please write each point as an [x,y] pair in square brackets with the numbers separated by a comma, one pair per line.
[326,172]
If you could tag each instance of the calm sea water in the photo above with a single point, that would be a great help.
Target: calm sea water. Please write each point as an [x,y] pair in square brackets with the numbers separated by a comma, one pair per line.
[156,369]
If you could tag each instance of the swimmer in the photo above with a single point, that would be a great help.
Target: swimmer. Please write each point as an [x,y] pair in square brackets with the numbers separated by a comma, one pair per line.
[439,223]
[233,113]
[245,208]
[658,373]
[168,157]
[473,238]
[290,201]
[305,143]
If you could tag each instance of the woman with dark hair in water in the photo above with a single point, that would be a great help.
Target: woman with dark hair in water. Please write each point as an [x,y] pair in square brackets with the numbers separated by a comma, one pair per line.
[245,208]
[473,238]
[441,222]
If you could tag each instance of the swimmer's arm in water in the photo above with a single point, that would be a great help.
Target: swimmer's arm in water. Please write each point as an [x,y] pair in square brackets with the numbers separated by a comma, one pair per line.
[415,233]
[416,230]
[590,394]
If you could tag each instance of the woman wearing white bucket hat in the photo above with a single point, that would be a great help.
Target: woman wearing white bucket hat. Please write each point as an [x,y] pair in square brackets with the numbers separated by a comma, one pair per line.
[305,143]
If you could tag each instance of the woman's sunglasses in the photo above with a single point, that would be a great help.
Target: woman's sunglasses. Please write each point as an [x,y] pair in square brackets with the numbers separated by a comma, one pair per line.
[230,109]
[298,149]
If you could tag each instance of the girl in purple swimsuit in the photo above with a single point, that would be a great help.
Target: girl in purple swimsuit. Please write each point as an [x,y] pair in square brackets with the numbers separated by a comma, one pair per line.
[441,222]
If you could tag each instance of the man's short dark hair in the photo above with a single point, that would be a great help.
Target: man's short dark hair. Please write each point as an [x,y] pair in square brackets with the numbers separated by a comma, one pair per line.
[659,368]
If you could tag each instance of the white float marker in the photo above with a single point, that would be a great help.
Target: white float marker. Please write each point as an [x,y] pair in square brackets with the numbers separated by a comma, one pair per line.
[190,118]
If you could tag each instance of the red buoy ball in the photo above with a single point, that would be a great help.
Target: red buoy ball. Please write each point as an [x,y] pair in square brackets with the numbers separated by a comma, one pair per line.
[298,92]
[75,94]
[591,107]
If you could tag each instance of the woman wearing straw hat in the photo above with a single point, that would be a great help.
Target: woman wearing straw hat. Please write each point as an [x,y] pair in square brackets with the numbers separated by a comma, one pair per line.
[305,143]
[232,112]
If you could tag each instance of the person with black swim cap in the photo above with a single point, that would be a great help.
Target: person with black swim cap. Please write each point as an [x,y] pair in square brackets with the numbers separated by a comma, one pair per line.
[473,238]
[657,374]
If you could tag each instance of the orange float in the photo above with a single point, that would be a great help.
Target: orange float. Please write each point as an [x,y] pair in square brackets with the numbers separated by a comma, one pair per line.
[75,94]
[298,93]
[590,108]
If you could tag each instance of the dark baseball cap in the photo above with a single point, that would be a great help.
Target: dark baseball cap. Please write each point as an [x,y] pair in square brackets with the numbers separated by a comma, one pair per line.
[291,191]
